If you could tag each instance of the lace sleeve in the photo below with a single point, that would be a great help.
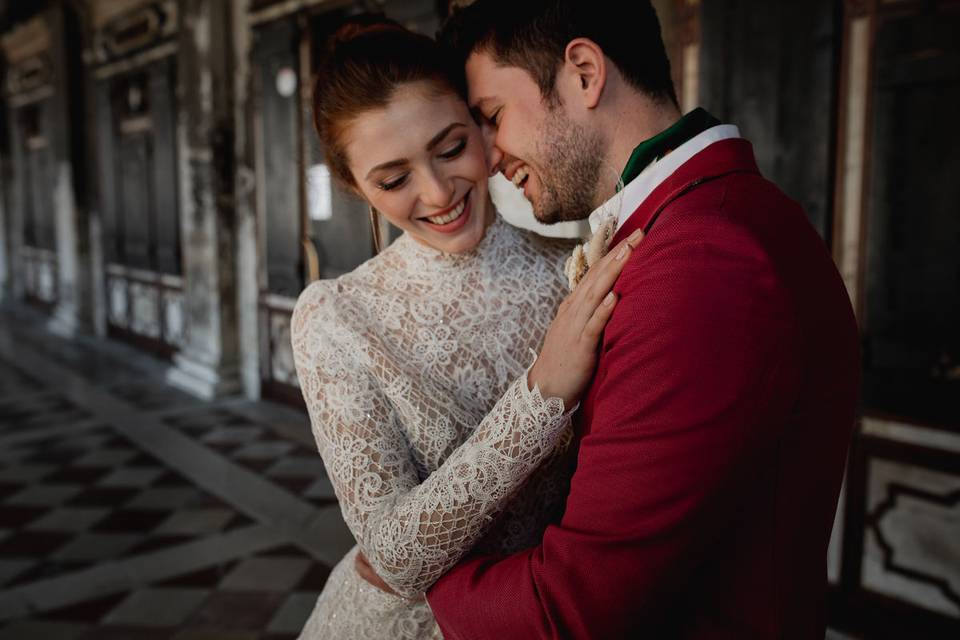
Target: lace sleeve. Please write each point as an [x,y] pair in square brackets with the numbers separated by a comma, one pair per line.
[411,532]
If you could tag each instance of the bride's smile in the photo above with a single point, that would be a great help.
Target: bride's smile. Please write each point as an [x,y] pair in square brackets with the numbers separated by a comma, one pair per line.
[453,218]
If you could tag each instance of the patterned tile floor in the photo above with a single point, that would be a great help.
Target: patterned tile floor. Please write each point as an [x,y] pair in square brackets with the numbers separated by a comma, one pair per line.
[131,510]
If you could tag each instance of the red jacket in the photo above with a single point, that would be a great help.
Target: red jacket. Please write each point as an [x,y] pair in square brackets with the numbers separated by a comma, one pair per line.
[712,439]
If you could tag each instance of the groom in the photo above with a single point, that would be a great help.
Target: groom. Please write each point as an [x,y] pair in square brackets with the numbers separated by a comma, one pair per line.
[713,437]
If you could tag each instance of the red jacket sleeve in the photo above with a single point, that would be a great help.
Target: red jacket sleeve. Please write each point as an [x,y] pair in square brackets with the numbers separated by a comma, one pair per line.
[697,372]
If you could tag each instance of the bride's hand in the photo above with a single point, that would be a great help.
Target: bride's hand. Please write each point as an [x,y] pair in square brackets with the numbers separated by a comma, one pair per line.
[366,572]
[569,352]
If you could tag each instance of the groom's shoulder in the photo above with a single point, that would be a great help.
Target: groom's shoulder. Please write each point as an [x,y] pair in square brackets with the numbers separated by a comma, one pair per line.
[737,212]
[732,227]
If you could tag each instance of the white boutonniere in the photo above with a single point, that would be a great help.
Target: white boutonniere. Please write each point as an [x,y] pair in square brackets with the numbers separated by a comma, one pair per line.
[589,253]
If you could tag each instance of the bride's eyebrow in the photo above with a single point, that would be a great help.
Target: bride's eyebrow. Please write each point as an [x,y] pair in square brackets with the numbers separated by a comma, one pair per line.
[387,165]
[435,140]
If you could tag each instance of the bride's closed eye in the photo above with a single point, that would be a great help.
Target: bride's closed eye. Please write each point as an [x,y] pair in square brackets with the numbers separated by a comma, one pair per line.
[394,183]
[454,150]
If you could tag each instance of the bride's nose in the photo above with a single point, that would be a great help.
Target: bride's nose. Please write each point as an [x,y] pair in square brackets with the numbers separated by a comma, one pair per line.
[437,190]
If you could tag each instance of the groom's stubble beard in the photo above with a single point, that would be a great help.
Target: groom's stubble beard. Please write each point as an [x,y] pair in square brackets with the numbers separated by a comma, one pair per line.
[571,158]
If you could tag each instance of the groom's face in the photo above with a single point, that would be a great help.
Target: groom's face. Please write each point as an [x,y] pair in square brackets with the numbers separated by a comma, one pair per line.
[533,142]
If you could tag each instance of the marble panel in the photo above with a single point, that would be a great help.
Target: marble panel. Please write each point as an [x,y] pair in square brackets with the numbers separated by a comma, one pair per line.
[912,550]
[145,307]
[46,281]
[117,306]
[281,352]
[174,323]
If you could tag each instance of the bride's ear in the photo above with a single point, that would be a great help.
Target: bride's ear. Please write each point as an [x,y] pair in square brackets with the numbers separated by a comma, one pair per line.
[584,72]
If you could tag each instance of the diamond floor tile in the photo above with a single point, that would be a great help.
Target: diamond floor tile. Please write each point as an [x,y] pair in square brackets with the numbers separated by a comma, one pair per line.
[160,607]
[80,493]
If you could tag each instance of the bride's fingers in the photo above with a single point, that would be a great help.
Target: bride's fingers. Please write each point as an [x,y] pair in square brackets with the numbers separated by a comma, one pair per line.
[615,259]
[601,278]
[597,322]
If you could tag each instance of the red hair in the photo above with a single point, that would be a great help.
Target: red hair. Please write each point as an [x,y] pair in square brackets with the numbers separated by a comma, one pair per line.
[366,61]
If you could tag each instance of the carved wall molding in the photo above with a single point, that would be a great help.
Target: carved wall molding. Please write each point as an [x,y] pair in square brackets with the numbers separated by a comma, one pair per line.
[135,126]
[31,97]
[136,61]
[30,78]
[265,11]
[27,52]
[26,41]
[132,28]
[103,12]
[858,8]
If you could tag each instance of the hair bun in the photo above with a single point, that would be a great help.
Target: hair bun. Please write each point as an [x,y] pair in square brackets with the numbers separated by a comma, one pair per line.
[361,25]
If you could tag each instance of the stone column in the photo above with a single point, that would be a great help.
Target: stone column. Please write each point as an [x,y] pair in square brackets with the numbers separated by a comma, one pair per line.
[208,364]
[13,211]
[73,312]
[248,285]
[4,251]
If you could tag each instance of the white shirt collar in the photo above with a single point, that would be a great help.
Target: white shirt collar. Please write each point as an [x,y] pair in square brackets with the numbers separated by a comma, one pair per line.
[627,200]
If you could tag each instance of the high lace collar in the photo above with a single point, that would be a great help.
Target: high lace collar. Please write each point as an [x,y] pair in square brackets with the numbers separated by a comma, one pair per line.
[494,234]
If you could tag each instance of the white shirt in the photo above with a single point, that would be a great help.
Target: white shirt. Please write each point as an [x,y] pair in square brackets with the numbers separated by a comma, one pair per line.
[627,200]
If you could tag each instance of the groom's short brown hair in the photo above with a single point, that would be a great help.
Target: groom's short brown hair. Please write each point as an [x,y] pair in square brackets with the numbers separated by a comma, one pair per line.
[533,35]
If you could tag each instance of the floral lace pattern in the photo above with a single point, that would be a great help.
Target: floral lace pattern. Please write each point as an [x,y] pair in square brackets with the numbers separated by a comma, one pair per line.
[413,368]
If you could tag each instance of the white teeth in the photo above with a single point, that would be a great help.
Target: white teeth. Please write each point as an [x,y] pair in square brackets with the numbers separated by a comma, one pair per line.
[518,177]
[447,218]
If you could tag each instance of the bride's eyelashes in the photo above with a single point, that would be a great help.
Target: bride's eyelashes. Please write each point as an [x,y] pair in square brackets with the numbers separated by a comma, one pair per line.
[390,185]
[453,151]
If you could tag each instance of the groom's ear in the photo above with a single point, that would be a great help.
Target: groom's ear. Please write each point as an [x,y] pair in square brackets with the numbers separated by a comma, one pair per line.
[586,67]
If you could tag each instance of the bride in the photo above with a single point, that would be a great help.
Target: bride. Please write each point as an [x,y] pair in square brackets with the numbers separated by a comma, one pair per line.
[436,435]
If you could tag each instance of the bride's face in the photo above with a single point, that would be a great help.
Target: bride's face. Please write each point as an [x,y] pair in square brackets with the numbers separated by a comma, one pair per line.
[420,162]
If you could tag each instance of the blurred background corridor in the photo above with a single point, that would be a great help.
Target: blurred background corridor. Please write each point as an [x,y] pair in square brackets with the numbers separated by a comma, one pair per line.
[163,200]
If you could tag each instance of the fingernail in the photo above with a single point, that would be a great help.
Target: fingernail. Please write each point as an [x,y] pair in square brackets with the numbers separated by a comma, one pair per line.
[609,299]
[636,235]
[622,252]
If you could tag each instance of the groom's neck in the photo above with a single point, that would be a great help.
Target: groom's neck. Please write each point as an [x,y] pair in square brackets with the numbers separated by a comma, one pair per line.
[630,119]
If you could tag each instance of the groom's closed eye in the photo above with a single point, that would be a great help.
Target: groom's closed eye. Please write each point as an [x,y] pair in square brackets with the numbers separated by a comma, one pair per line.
[494,118]
[481,110]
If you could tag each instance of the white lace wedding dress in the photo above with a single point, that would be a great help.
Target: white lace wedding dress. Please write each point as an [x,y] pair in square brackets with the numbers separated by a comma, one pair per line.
[413,368]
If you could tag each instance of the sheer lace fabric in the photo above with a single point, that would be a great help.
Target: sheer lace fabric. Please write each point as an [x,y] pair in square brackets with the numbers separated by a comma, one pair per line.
[413,368]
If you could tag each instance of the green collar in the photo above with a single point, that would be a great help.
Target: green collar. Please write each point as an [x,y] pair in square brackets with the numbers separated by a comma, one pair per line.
[686,128]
